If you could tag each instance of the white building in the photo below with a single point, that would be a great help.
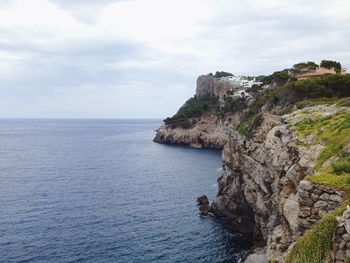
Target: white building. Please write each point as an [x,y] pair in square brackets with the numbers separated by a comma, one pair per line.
[241,81]
[241,93]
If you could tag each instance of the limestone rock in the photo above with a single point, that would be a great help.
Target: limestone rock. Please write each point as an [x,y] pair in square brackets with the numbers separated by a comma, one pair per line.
[305,185]
[290,211]
[203,200]
[208,132]
[218,87]
[258,256]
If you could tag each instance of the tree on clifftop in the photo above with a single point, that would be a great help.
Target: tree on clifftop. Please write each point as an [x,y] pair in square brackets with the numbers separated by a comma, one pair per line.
[305,66]
[220,74]
[331,64]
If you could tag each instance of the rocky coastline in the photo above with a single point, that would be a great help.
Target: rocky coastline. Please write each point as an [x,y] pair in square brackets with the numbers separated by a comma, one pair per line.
[209,132]
[266,190]
[262,191]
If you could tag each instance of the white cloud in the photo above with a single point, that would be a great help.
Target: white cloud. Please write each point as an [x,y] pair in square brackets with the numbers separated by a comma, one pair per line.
[141,48]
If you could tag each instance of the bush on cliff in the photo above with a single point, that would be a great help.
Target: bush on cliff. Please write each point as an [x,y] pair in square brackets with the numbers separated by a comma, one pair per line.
[331,64]
[333,131]
[304,67]
[234,104]
[252,116]
[193,107]
[278,77]
[328,86]
[220,74]
[300,93]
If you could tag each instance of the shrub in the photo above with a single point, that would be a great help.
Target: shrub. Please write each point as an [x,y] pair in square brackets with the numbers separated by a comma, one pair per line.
[304,66]
[333,130]
[234,104]
[345,102]
[331,64]
[278,77]
[323,87]
[220,74]
[341,166]
[193,107]
[242,128]
[316,243]
[254,89]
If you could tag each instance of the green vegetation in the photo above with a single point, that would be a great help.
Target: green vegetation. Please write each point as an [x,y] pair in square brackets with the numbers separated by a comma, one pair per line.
[345,102]
[331,64]
[318,101]
[329,86]
[288,95]
[220,74]
[326,177]
[255,89]
[314,91]
[252,116]
[315,244]
[194,107]
[341,166]
[304,66]
[333,130]
[233,104]
[278,77]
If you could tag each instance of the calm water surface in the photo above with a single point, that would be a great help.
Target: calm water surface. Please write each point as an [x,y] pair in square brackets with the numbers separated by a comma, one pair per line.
[102,191]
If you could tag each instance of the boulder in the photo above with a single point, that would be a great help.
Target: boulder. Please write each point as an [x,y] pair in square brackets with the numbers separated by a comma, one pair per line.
[258,256]
[290,211]
[204,209]
[203,200]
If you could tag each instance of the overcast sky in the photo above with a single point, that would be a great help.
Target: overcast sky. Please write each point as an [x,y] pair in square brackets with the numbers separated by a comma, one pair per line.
[141,58]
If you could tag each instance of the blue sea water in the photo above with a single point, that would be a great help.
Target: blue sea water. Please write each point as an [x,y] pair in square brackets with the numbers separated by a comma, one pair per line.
[102,191]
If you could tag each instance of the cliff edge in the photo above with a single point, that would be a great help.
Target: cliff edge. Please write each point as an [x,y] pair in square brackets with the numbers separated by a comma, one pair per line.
[286,159]
[203,128]
[263,191]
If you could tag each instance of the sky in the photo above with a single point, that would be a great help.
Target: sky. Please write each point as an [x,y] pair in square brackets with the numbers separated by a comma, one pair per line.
[141,58]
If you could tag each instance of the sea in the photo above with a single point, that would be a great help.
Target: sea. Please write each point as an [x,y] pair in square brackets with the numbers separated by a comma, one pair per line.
[102,191]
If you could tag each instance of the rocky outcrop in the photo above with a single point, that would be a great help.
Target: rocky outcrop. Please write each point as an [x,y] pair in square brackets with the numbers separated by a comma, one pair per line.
[341,239]
[203,203]
[262,191]
[208,131]
[209,85]
[257,256]
[315,202]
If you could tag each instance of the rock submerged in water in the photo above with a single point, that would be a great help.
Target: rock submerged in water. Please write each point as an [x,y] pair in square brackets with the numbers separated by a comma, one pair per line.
[204,209]
[203,203]
[203,200]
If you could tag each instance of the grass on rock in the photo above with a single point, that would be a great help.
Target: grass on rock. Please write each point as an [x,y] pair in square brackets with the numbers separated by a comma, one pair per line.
[334,131]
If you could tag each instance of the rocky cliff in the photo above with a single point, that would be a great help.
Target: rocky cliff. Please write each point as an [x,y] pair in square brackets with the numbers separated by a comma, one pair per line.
[209,85]
[262,190]
[207,130]
[286,163]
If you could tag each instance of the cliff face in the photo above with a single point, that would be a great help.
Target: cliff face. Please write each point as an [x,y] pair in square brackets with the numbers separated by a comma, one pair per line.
[262,191]
[279,182]
[209,131]
[208,85]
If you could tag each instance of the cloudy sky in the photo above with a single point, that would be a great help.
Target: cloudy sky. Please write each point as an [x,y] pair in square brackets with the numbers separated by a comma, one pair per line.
[141,58]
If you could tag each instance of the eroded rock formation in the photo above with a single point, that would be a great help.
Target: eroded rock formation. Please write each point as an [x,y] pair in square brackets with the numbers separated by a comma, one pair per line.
[262,191]
[209,131]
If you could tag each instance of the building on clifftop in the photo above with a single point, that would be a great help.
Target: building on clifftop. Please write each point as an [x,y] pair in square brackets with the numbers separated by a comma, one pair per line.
[319,72]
